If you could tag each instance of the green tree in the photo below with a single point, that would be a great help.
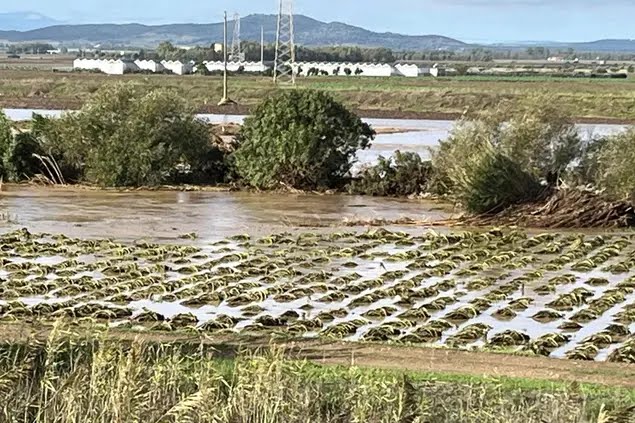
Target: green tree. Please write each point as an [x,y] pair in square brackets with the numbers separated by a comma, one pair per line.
[125,137]
[201,69]
[300,138]
[166,50]
[615,165]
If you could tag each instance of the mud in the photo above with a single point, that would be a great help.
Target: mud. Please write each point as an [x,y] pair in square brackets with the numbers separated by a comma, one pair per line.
[164,215]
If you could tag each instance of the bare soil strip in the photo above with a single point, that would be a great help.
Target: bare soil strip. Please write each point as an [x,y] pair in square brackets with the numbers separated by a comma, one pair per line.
[389,357]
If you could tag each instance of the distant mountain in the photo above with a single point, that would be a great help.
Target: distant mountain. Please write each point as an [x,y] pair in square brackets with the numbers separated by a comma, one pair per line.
[605,45]
[30,27]
[309,32]
[615,45]
[24,21]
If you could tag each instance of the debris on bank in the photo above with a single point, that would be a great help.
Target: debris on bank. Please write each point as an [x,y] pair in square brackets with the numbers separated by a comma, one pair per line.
[565,208]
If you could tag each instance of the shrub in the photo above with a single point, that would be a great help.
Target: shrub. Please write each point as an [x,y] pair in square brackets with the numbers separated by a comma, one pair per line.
[201,69]
[123,137]
[490,181]
[300,138]
[616,165]
[587,169]
[539,140]
[18,159]
[402,175]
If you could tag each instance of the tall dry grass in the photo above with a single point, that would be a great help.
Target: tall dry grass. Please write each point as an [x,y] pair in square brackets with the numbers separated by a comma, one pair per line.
[73,378]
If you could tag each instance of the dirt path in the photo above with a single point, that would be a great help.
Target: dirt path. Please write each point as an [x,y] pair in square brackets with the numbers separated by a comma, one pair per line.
[479,364]
[472,363]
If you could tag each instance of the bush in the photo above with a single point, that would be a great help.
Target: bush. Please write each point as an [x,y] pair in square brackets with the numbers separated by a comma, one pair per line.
[402,175]
[490,182]
[201,69]
[587,169]
[123,137]
[19,159]
[300,138]
[540,141]
[616,165]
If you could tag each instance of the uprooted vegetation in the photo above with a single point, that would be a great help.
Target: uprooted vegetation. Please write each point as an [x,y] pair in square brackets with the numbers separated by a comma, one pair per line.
[564,208]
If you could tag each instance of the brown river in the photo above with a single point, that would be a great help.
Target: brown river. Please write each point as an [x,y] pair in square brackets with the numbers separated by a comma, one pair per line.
[165,215]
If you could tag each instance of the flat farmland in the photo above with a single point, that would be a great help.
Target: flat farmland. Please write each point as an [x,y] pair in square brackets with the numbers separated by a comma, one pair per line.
[593,100]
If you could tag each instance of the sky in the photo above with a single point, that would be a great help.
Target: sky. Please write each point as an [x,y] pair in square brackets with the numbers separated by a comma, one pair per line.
[467,20]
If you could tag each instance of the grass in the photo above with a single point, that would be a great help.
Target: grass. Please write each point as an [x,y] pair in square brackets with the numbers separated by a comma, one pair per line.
[84,377]
[583,98]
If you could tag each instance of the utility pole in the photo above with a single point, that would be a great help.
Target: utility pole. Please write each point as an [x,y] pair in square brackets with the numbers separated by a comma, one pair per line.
[284,67]
[225,100]
[262,46]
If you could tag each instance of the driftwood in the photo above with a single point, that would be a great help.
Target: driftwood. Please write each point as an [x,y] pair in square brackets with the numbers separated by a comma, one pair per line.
[564,208]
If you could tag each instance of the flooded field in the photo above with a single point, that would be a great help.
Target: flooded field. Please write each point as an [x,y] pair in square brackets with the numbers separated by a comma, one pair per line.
[292,266]
[555,295]
[164,215]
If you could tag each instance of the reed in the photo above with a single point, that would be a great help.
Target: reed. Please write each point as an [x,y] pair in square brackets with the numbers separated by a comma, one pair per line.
[89,378]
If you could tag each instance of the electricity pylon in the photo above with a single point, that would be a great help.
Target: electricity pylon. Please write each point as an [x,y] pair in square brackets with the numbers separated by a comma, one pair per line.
[236,52]
[284,67]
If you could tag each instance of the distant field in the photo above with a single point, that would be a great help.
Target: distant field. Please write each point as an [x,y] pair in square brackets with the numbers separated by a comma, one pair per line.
[396,97]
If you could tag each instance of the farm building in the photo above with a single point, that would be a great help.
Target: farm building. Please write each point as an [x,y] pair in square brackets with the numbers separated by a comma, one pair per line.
[409,70]
[177,67]
[110,67]
[247,67]
[87,64]
[149,65]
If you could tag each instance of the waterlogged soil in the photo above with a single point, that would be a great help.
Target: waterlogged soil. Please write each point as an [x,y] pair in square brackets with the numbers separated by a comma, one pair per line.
[549,294]
[162,216]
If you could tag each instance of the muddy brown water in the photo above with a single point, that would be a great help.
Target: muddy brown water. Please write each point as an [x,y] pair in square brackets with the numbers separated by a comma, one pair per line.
[165,215]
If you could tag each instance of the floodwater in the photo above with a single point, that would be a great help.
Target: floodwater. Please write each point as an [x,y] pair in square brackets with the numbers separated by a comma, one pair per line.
[417,136]
[184,286]
[165,215]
